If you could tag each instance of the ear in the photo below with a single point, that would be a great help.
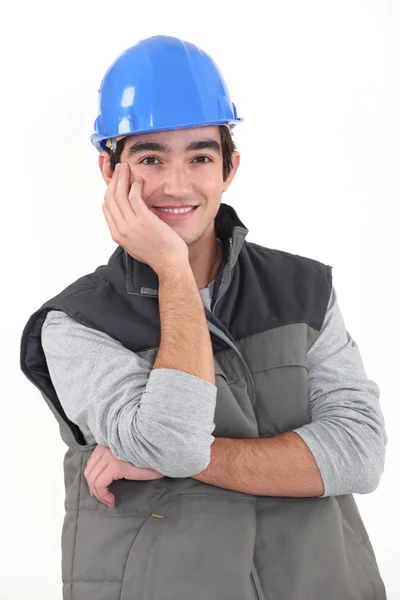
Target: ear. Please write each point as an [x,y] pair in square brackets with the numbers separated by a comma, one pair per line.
[105,166]
[235,163]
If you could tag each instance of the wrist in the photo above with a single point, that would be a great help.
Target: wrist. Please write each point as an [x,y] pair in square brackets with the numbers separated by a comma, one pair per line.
[174,270]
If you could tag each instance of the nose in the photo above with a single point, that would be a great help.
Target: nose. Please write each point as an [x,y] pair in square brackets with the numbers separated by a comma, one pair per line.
[177,182]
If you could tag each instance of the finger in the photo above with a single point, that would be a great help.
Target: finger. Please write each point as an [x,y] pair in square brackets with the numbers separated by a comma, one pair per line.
[112,184]
[94,459]
[97,470]
[122,192]
[110,222]
[101,486]
[111,201]
[135,196]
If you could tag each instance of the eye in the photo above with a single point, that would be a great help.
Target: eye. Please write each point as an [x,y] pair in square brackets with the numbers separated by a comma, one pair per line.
[148,158]
[207,157]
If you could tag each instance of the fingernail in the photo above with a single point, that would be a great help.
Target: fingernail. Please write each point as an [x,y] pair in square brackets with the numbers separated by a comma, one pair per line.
[117,166]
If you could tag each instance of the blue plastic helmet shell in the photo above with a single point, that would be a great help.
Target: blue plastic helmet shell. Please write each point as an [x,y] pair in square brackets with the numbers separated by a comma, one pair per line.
[161,83]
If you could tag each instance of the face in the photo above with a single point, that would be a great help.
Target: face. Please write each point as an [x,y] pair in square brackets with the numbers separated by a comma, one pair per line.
[180,168]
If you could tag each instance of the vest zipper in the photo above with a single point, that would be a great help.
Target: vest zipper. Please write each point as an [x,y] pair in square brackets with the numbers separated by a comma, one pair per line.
[223,337]
[228,341]
[230,254]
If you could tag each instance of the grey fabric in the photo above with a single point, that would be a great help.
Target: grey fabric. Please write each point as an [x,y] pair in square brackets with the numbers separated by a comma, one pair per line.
[347,435]
[178,538]
[117,400]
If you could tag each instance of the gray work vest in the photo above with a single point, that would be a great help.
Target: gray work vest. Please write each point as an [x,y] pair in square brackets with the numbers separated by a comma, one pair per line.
[181,539]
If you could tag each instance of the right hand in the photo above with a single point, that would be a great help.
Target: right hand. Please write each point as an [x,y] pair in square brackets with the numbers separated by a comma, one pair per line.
[103,468]
[137,229]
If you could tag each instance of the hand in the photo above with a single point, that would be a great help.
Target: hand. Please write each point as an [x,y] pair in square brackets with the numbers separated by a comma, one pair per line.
[136,228]
[103,468]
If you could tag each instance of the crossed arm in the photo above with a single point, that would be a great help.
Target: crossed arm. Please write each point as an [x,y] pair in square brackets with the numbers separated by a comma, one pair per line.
[278,466]
[347,429]
[142,433]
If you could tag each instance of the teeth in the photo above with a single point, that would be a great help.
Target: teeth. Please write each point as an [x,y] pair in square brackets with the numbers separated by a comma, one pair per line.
[176,211]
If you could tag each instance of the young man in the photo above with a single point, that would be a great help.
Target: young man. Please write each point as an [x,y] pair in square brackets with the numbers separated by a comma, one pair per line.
[217,413]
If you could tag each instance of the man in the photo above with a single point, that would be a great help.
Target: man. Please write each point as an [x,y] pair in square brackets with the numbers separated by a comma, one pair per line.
[217,413]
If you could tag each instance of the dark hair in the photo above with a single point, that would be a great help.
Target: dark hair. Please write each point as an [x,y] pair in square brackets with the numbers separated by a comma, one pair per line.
[227,144]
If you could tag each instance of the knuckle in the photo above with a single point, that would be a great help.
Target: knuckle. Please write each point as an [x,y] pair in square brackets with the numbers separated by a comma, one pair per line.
[117,471]
[118,197]
[124,231]
[112,461]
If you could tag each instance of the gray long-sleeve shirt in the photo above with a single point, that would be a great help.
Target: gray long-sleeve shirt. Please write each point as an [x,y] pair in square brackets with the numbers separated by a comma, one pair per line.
[164,418]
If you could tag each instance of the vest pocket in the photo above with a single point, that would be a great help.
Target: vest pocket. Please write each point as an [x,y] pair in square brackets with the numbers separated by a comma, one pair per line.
[194,546]
[278,364]
[234,414]
[308,552]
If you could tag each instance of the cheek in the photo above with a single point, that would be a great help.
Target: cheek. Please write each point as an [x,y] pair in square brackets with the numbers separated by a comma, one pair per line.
[210,184]
[211,189]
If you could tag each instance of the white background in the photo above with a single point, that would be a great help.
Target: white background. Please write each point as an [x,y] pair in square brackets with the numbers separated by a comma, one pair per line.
[318,86]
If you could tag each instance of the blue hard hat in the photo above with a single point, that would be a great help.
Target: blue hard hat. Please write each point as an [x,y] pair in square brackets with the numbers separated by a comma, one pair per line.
[158,84]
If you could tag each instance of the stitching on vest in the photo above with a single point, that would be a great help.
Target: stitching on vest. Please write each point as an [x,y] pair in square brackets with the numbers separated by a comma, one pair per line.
[278,367]
[147,515]
[73,311]
[93,510]
[76,527]
[93,581]
[249,335]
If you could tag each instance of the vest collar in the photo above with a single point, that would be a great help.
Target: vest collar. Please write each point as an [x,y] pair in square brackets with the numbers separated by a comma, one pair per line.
[140,277]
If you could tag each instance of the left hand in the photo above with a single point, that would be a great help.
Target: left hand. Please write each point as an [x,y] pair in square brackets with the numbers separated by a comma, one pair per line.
[103,468]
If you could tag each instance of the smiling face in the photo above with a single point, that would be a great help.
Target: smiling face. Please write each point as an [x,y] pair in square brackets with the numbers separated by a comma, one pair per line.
[179,168]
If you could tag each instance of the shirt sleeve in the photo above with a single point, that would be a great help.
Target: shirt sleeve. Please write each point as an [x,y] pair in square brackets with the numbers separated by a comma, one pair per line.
[347,434]
[160,419]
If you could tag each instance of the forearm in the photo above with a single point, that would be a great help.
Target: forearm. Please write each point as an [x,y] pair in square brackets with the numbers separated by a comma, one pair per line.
[279,466]
[185,340]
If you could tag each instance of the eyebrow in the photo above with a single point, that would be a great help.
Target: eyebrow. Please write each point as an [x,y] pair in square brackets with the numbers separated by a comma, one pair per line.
[139,147]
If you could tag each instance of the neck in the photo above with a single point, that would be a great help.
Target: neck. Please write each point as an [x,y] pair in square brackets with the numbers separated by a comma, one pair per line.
[205,261]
